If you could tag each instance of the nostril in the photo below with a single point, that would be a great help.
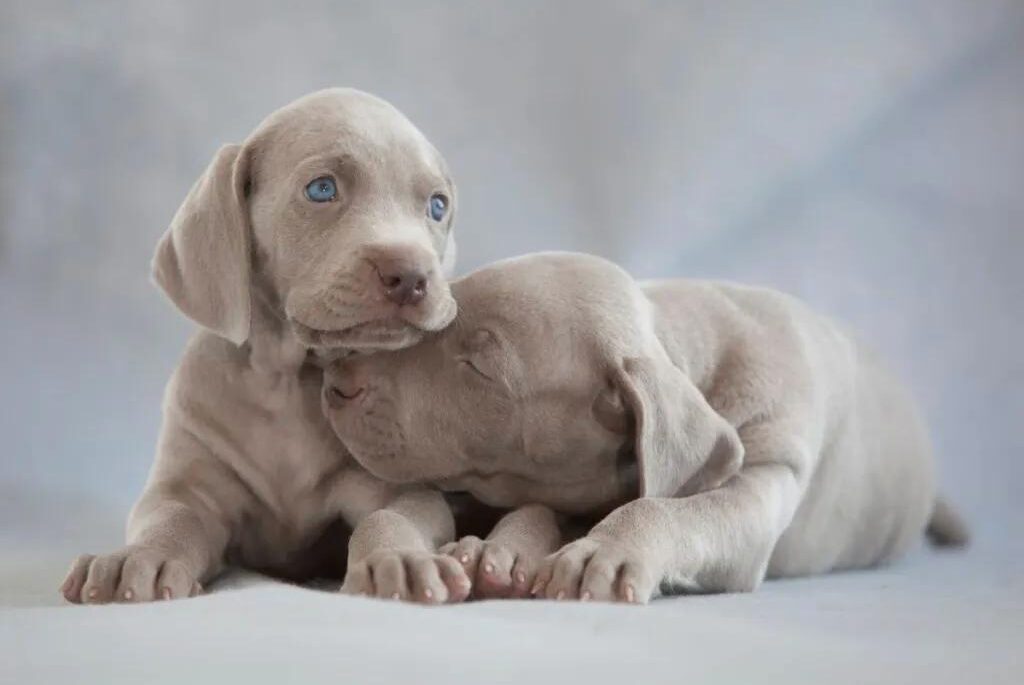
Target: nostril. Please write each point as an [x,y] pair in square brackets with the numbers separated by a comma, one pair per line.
[337,396]
[403,285]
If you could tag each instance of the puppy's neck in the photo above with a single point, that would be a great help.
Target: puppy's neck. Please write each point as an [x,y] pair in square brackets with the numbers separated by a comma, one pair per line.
[694,343]
[273,347]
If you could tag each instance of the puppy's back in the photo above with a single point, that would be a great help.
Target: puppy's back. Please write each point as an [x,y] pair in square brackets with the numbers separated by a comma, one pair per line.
[758,354]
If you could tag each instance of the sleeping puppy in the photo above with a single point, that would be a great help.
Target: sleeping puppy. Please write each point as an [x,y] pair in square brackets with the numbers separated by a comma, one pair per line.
[725,433]
[329,229]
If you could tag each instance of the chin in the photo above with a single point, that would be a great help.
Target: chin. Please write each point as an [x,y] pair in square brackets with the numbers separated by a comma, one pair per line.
[385,334]
[383,474]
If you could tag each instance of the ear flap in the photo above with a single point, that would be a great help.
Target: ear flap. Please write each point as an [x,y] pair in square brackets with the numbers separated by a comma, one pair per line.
[202,262]
[681,442]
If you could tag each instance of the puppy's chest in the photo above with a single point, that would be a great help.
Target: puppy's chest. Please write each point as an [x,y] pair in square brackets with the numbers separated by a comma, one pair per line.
[293,461]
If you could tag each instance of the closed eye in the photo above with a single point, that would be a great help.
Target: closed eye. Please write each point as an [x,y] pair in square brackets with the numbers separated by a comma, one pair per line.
[464,361]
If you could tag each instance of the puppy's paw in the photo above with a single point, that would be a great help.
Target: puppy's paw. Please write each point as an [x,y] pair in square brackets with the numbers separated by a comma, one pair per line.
[499,570]
[411,575]
[591,569]
[133,574]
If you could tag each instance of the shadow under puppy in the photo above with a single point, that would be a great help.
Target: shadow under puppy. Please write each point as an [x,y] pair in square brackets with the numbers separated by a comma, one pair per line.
[328,228]
[726,433]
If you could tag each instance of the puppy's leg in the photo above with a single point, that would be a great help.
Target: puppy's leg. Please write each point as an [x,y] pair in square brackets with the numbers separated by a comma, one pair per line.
[174,545]
[714,541]
[393,552]
[177,532]
[506,563]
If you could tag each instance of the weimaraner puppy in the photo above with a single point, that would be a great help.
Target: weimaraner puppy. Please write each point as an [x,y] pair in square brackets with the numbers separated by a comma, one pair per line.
[725,433]
[328,229]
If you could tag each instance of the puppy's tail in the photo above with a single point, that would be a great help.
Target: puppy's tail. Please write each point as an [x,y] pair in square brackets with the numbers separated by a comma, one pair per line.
[945,527]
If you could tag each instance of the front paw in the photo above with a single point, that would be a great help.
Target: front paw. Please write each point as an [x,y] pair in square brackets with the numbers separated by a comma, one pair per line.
[599,570]
[133,574]
[498,570]
[412,575]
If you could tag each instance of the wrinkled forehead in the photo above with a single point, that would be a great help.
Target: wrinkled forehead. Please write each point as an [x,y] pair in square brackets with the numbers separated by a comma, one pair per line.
[538,332]
[554,310]
[348,125]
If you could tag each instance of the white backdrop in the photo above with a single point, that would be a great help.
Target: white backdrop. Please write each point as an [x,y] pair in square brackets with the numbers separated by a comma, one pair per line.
[868,160]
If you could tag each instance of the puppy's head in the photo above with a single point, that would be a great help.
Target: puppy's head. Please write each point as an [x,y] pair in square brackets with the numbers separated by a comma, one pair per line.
[336,212]
[550,386]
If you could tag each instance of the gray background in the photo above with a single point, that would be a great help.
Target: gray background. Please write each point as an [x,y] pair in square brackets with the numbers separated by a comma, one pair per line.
[867,159]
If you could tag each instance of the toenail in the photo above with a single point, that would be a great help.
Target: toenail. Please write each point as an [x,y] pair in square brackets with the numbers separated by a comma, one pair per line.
[128,594]
[428,593]
[520,577]
[488,568]
[585,597]
[93,593]
[630,594]
[464,558]
[165,593]
[560,595]
[395,595]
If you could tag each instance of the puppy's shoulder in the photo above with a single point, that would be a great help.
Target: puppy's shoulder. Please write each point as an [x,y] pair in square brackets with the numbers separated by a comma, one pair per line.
[715,305]
[726,303]
[207,368]
[732,334]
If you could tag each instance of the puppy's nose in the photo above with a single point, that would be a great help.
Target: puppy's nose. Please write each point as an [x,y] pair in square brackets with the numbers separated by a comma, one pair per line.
[336,396]
[403,284]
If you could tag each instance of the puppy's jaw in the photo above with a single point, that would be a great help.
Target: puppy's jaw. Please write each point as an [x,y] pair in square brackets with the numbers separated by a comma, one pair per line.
[385,334]
[387,459]
[403,327]
[378,443]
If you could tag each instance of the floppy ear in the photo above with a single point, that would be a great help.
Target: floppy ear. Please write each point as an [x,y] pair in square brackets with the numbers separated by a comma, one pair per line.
[681,442]
[202,262]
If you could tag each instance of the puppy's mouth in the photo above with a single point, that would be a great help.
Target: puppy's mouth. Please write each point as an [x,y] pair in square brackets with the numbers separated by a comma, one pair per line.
[389,334]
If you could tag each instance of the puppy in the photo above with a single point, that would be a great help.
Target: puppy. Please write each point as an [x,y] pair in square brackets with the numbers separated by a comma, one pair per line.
[725,433]
[328,229]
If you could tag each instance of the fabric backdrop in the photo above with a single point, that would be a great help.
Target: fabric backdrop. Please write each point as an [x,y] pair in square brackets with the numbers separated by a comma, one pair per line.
[868,158]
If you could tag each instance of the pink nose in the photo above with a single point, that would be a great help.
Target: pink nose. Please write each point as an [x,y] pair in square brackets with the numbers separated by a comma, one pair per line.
[336,396]
[403,284]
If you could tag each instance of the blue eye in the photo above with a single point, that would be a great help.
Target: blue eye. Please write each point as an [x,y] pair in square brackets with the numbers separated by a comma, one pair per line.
[322,189]
[437,207]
